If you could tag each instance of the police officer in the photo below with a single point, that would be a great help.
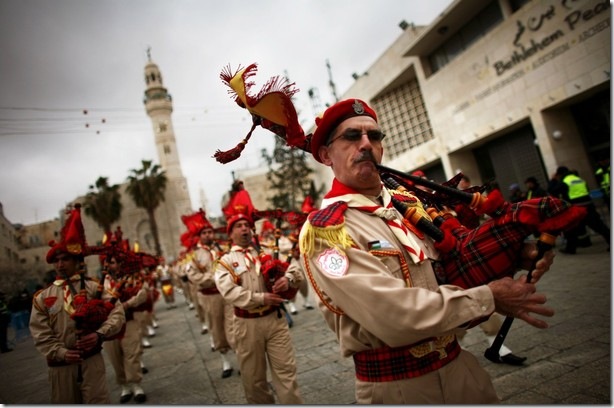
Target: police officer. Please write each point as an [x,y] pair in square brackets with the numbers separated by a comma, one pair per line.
[575,190]
[603,177]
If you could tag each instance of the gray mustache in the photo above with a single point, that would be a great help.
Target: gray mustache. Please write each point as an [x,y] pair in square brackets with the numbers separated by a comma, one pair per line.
[366,155]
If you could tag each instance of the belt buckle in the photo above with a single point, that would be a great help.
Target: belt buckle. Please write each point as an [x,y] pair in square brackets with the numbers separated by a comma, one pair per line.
[439,345]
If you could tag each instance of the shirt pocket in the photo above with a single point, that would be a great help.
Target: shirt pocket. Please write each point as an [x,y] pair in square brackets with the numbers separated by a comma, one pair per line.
[394,261]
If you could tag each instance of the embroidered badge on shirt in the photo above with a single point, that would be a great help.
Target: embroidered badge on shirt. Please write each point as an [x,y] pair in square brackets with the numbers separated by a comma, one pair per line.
[333,262]
[52,305]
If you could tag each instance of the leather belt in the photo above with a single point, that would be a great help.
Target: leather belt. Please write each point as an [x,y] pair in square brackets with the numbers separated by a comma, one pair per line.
[209,291]
[250,314]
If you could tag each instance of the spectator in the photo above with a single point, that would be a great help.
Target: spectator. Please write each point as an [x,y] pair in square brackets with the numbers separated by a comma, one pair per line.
[534,190]
[516,194]
[575,190]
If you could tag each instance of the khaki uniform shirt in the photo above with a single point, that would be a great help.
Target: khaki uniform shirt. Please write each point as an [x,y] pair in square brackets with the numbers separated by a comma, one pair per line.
[249,294]
[52,328]
[380,307]
[200,270]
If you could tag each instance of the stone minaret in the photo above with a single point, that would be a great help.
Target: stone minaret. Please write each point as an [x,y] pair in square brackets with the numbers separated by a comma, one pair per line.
[159,107]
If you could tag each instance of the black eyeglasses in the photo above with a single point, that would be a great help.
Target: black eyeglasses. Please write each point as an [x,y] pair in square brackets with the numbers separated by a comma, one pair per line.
[354,135]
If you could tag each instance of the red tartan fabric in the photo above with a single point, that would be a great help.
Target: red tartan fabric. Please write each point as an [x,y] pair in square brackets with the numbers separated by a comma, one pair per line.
[467,216]
[331,215]
[247,315]
[393,364]
[480,255]
[492,250]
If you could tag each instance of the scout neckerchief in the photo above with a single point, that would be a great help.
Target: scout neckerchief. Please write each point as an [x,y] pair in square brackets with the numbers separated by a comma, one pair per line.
[209,249]
[341,192]
[66,287]
[250,262]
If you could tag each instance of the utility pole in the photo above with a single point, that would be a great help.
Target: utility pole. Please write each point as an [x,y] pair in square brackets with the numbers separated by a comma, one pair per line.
[316,105]
[331,83]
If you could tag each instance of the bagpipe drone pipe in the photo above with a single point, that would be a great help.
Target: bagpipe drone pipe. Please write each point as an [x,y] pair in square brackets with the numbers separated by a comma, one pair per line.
[272,268]
[475,256]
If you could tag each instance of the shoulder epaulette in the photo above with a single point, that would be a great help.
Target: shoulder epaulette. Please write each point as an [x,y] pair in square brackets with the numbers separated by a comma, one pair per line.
[327,224]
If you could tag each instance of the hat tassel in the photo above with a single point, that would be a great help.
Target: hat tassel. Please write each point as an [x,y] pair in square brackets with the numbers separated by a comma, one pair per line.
[235,152]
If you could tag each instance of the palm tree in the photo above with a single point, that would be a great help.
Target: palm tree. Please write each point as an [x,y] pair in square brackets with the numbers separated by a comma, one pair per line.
[103,204]
[146,186]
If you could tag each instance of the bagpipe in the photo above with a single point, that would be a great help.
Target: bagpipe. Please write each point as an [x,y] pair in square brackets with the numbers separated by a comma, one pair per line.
[475,256]
[468,256]
[90,313]
[272,268]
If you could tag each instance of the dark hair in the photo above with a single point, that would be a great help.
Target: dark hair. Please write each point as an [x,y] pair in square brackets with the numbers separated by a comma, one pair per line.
[531,180]
[562,171]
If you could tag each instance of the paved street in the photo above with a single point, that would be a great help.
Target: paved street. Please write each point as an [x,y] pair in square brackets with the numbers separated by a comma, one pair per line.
[569,363]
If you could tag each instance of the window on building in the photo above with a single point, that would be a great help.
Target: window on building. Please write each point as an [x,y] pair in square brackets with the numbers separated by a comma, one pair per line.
[402,116]
[468,34]
[167,149]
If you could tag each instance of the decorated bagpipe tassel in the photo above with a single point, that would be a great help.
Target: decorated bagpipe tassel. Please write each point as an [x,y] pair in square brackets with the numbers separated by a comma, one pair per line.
[235,152]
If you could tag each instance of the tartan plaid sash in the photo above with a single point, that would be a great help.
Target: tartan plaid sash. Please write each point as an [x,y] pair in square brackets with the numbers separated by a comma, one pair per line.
[391,217]
[392,364]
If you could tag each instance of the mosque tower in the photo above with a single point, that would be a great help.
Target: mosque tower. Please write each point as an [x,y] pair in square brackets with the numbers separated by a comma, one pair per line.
[159,106]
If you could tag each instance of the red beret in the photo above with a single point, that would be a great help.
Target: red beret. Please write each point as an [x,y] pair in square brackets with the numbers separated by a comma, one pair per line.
[237,217]
[333,116]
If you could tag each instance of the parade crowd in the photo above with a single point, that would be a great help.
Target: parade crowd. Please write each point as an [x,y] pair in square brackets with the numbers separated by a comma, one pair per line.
[397,297]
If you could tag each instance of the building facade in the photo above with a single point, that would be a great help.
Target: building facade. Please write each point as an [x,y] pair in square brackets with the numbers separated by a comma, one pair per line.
[134,221]
[498,89]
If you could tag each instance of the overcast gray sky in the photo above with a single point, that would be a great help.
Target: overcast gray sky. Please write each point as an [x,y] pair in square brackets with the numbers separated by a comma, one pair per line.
[61,57]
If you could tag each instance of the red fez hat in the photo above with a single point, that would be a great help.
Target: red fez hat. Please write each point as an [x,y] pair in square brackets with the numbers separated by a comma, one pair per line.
[237,217]
[196,222]
[188,239]
[267,226]
[72,237]
[333,117]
